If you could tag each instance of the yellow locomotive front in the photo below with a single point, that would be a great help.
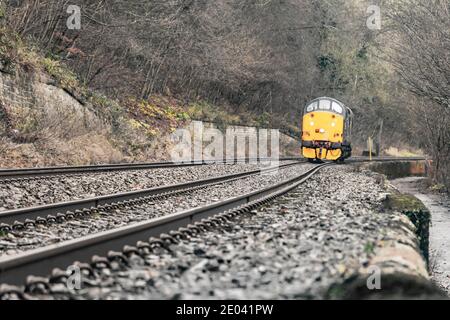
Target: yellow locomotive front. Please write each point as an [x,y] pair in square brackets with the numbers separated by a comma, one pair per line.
[326,130]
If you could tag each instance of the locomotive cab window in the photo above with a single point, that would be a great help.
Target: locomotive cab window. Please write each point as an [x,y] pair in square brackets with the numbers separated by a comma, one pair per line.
[325,105]
[337,108]
[312,107]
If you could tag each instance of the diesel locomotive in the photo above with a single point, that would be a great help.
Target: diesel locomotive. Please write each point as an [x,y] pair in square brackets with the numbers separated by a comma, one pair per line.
[327,128]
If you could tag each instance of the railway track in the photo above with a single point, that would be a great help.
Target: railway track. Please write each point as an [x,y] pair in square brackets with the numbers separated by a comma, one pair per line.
[47,172]
[117,243]
[18,218]
[48,264]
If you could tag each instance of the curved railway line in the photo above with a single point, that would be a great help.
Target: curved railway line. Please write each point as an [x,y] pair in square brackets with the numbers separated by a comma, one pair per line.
[48,264]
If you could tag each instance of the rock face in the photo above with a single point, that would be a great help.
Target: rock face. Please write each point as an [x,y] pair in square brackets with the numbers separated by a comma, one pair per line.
[44,124]
[24,95]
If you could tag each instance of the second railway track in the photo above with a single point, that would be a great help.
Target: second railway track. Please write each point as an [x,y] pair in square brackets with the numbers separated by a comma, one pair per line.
[47,172]
[18,218]
[60,210]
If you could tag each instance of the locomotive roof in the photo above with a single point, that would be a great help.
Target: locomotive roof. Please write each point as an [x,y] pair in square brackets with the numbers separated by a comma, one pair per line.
[334,100]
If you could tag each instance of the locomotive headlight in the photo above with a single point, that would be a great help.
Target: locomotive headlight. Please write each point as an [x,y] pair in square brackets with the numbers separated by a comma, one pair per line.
[322,130]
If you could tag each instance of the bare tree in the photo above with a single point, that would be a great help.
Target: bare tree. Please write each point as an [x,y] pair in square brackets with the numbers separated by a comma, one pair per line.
[420,53]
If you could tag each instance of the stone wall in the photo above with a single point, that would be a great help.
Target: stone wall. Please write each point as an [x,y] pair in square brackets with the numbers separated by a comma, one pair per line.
[400,169]
[401,258]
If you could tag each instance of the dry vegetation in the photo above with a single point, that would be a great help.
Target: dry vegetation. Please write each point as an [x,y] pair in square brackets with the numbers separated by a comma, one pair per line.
[260,61]
[420,39]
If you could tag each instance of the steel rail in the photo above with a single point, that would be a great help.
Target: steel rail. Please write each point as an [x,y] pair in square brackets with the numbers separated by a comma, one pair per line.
[40,262]
[18,173]
[31,213]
